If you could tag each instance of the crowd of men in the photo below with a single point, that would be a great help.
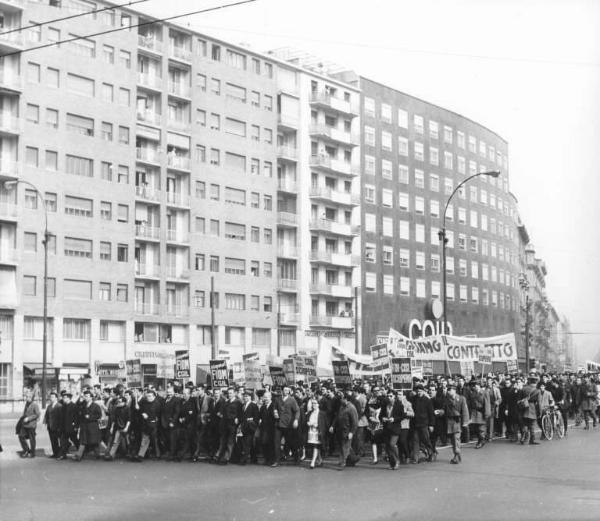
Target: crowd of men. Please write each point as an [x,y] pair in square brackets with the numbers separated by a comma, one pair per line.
[238,425]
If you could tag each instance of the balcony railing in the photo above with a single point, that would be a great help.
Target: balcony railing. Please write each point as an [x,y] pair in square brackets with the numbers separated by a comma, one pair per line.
[146,308]
[180,53]
[286,120]
[147,270]
[151,81]
[335,195]
[9,122]
[8,167]
[331,321]
[287,284]
[147,232]
[338,259]
[287,152]
[287,185]
[179,89]
[149,116]
[334,134]
[334,227]
[177,236]
[10,79]
[287,250]
[181,162]
[339,105]
[287,218]
[12,39]
[178,199]
[16,3]
[150,42]
[289,317]
[177,311]
[8,210]
[147,193]
[149,155]
[179,124]
[177,273]
[333,290]
[334,165]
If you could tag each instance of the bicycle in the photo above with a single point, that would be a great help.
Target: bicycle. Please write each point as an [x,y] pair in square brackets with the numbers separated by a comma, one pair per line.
[552,422]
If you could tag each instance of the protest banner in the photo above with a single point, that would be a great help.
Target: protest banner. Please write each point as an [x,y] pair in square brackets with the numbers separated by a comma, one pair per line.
[277,376]
[380,355]
[237,369]
[219,373]
[512,366]
[133,373]
[182,364]
[341,373]
[401,373]
[396,345]
[289,369]
[251,356]
[310,368]
[252,374]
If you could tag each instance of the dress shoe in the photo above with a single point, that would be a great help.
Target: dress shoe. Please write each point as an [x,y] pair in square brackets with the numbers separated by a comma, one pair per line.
[275,464]
[374,462]
[454,460]
[534,442]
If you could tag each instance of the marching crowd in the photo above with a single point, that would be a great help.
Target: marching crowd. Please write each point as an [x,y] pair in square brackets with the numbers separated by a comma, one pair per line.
[303,422]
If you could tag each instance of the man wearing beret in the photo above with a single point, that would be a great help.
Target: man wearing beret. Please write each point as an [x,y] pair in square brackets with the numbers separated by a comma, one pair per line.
[456,413]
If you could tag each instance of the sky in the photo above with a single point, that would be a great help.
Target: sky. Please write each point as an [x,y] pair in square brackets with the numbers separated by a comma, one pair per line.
[527,69]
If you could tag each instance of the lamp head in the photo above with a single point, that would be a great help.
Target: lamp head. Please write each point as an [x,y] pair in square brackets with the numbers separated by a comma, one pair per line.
[9,185]
[493,173]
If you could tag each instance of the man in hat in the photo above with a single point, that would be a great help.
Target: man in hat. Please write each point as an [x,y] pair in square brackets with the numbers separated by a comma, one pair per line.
[528,406]
[344,427]
[27,425]
[456,413]
[288,414]
[480,408]
[69,423]
[423,424]
[149,408]
[248,426]
[231,415]
[52,420]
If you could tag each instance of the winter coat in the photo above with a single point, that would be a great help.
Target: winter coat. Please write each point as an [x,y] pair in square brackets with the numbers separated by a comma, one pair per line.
[89,431]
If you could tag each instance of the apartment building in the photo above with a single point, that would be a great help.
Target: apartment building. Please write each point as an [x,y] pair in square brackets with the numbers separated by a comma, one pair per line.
[414,154]
[155,150]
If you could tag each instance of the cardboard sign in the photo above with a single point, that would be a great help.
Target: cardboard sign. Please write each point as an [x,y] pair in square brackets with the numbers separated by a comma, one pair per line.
[512,366]
[252,374]
[219,373]
[277,376]
[427,367]
[182,364]
[133,373]
[289,369]
[466,369]
[380,355]
[485,355]
[251,356]
[402,373]
[341,373]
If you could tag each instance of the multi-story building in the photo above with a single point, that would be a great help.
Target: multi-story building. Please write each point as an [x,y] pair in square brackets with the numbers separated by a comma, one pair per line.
[155,149]
[414,154]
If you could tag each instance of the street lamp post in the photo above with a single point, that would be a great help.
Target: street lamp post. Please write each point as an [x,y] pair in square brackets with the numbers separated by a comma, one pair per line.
[444,240]
[8,185]
[524,283]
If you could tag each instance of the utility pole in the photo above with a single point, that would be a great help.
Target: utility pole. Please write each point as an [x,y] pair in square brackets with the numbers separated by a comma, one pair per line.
[527,334]
[213,333]
[356,346]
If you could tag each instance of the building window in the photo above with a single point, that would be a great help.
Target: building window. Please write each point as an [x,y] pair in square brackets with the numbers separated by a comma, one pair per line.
[122,253]
[104,291]
[105,250]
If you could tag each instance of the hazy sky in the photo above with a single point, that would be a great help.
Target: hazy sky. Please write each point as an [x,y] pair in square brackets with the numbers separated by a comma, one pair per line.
[529,70]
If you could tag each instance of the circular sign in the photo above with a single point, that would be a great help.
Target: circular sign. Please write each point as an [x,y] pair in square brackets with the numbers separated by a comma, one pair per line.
[437,308]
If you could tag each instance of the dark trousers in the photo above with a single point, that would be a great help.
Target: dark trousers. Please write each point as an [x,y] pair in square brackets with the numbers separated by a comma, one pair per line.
[187,441]
[54,442]
[404,450]
[267,442]
[290,436]
[247,447]
[149,435]
[391,446]
[201,440]
[421,441]
[226,442]
[24,435]
[171,435]
[65,437]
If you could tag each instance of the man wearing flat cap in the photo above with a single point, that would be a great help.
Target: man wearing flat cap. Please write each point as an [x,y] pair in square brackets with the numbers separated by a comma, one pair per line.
[480,408]
[457,416]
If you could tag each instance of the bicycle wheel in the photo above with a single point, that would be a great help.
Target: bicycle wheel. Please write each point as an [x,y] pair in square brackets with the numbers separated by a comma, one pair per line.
[559,424]
[547,426]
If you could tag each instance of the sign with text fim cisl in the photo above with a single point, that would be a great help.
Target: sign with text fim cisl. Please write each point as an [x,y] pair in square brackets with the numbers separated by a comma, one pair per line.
[182,364]
[219,373]
[341,373]
[402,378]
[277,376]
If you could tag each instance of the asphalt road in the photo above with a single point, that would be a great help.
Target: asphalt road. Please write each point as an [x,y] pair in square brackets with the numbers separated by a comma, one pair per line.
[557,480]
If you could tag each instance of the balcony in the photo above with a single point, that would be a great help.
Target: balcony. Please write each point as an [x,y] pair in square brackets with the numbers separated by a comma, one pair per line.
[147,194]
[335,227]
[9,168]
[146,308]
[147,270]
[287,250]
[180,53]
[12,41]
[289,317]
[331,321]
[178,236]
[178,311]
[328,194]
[10,80]
[287,185]
[173,272]
[150,81]
[337,259]
[332,290]
[181,90]
[334,134]
[287,219]
[9,124]
[8,256]
[8,211]
[148,155]
[287,284]
[150,43]
[147,232]
[328,164]
[179,124]
[287,122]
[340,106]
[150,117]
[287,153]
[178,199]
[17,5]
[178,162]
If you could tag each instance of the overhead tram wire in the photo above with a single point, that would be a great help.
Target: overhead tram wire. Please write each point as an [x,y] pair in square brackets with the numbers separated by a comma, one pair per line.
[94,11]
[128,27]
